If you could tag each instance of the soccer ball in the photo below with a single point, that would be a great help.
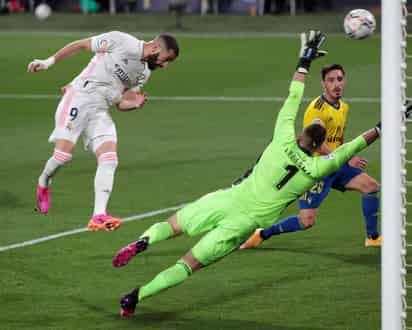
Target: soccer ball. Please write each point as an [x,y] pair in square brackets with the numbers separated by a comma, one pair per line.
[42,12]
[359,24]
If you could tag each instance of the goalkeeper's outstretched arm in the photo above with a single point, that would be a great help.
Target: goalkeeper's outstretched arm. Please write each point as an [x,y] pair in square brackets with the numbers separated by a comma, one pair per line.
[335,160]
[347,150]
[309,51]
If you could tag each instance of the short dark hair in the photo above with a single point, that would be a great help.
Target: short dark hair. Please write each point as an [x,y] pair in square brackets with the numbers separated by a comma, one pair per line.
[328,68]
[314,135]
[170,43]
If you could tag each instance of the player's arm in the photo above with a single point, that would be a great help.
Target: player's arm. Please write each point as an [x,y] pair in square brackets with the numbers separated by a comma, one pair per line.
[331,163]
[68,50]
[285,123]
[356,161]
[348,150]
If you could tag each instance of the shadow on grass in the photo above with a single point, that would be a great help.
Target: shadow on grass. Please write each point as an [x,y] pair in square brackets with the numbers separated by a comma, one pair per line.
[355,259]
[9,200]
[171,320]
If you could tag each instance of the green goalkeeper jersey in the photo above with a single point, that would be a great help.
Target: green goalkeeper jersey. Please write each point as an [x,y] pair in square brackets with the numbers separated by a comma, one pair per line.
[284,172]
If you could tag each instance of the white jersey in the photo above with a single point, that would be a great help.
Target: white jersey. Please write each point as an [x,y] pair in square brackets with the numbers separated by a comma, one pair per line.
[116,66]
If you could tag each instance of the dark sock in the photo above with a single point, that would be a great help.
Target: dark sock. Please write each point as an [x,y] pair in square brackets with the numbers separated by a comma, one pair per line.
[287,225]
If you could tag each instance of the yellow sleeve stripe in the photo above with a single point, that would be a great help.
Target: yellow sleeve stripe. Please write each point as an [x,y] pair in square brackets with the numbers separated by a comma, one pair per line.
[319,103]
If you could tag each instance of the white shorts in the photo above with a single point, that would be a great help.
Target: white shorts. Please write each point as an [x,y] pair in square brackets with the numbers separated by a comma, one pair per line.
[86,114]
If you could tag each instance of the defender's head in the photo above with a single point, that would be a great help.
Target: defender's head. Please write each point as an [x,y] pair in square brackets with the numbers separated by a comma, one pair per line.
[312,137]
[333,82]
[159,52]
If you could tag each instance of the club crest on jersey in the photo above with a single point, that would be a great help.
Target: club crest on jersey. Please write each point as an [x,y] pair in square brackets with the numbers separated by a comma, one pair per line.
[103,44]
[125,61]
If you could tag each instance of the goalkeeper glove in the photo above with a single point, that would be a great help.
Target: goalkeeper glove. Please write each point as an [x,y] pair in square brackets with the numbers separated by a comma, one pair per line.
[309,49]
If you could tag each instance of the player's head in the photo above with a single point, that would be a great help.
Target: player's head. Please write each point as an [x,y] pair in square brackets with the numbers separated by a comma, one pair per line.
[333,81]
[312,137]
[162,50]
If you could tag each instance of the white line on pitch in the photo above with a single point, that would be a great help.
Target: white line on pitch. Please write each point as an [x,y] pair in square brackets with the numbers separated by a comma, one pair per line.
[81,230]
[193,98]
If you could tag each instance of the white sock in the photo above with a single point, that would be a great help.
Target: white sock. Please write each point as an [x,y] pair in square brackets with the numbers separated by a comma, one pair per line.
[56,161]
[103,181]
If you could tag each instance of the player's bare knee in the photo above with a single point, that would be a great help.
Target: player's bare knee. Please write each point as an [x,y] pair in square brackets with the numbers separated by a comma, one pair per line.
[175,225]
[103,144]
[369,185]
[64,146]
[308,219]
[190,261]
[373,186]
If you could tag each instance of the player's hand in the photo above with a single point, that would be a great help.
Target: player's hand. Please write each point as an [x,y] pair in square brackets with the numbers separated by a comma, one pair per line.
[131,100]
[40,65]
[310,43]
[358,162]
[141,100]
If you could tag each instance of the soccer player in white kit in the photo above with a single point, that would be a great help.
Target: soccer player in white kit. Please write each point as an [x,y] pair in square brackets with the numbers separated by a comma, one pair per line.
[114,76]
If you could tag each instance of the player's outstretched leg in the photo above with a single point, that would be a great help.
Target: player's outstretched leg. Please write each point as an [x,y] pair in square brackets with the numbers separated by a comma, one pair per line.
[157,232]
[287,225]
[168,278]
[58,160]
[253,241]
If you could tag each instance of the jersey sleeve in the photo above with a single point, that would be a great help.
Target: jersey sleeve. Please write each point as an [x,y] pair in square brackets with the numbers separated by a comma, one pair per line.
[328,164]
[285,123]
[106,42]
[312,113]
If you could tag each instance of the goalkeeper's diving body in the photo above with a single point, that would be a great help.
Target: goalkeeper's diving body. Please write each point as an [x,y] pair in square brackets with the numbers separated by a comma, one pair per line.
[286,170]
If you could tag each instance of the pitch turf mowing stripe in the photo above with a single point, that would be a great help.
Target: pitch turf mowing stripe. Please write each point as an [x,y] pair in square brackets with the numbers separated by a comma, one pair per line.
[198,35]
[193,98]
[82,230]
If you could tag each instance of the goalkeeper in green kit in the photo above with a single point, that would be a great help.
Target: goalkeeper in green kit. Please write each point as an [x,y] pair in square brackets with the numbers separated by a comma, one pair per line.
[228,217]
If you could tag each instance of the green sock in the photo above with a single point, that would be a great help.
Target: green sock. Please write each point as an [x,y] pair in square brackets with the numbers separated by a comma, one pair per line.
[170,277]
[159,232]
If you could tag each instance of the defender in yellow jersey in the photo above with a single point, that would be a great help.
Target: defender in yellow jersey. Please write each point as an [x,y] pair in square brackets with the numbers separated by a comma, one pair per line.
[332,112]
[332,116]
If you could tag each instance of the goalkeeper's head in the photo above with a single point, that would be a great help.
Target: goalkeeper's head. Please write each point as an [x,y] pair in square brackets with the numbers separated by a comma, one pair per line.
[312,137]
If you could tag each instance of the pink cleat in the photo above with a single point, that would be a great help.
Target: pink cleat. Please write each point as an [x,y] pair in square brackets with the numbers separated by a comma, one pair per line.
[128,303]
[43,199]
[123,257]
[104,222]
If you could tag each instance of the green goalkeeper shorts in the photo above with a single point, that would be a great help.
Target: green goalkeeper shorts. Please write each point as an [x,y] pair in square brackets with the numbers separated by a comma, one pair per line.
[226,227]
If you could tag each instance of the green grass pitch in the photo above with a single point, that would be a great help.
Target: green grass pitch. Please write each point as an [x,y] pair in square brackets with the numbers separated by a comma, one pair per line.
[173,152]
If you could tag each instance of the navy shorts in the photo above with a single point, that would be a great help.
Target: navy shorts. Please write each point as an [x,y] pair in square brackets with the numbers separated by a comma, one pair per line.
[338,180]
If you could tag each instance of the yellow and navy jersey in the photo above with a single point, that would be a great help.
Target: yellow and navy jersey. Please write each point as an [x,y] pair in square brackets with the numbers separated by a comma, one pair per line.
[333,117]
